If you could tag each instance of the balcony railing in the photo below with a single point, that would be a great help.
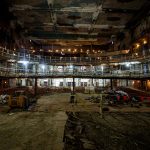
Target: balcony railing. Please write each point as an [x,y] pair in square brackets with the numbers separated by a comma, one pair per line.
[14,56]
[11,72]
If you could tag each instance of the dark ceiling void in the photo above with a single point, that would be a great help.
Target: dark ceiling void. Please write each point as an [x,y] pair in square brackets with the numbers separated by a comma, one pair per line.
[4,13]
[137,17]
[69,20]
[120,36]
[125,1]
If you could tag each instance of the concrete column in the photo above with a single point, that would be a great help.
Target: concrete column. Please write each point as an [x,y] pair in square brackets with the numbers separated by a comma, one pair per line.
[141,69]
[111,84]
[92,82]
[49,82]
[35,87]
[64,82]
[127,82]
[79,81]
[73,86]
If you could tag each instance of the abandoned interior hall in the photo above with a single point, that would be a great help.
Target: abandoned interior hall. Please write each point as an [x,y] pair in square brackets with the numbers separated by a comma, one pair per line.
[74,74]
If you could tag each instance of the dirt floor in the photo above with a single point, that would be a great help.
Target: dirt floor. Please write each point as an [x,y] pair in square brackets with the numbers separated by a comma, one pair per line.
[55,124]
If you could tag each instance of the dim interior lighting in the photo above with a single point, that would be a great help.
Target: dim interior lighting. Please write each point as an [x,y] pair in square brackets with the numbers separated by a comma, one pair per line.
[62,53]
[75,50]
[144,41]
[81,50]
[127,51]
[137,45]
[136,54]
[57,50]
[62,50]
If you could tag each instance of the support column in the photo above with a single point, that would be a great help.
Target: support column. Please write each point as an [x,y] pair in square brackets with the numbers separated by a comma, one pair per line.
[103,82]
[127,82]
[73,86]
[111,84]
[79,81]
[35,87]
[64,82]
[92,83]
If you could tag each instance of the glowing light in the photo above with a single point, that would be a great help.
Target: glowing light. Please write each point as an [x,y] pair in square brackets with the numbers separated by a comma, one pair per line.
[144,41]
[69,50]
[43,66]
[102,67]
[127,64]
[137,45]
[24,62]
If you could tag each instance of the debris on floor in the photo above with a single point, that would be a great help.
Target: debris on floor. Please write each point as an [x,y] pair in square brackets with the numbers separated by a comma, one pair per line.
[117,131]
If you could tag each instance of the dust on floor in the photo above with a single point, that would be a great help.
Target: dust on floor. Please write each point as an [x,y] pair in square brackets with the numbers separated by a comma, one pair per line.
[43,127]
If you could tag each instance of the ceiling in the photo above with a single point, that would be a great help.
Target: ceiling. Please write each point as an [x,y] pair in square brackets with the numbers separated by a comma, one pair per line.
[72,22]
